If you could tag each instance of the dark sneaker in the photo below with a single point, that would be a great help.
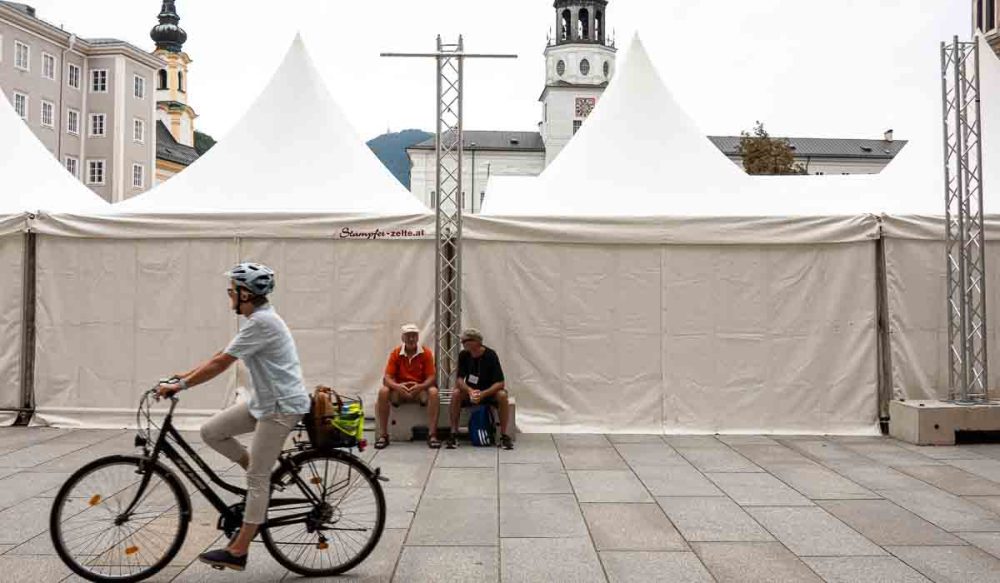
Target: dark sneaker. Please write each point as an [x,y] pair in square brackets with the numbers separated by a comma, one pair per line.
[222,559]
[506,442]
[451,442]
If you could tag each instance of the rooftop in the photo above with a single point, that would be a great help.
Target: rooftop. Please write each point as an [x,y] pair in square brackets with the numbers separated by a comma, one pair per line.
[729,145]
[168,149]
[824,147]
[58,32]
[494,140]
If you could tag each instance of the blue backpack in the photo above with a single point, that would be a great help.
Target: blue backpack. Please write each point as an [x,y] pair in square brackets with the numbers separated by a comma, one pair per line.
[482,428]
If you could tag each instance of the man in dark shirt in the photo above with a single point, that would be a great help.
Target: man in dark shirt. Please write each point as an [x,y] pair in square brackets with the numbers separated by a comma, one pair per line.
[480,382]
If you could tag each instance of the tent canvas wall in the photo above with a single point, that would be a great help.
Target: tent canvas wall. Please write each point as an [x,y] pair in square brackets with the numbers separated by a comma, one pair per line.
[916,261]
[138,293]
[671,295]
[31,180]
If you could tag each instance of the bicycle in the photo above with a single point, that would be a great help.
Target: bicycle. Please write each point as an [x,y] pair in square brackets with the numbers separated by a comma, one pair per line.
[124,517]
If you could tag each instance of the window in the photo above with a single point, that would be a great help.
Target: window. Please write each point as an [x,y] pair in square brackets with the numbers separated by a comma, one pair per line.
[73,166]
[585,67]
[990,18]
[98,125]
[73,122]
[95,172]
[138,176]
[577,124]
[99,81]
[162,75]
[73,76]
[138,131]
[48,66]
[21,105]
[180,81]
[139,86]
[48,114]
[22,56]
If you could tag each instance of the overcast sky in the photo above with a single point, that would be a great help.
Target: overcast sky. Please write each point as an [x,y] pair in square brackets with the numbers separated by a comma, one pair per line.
[828,68]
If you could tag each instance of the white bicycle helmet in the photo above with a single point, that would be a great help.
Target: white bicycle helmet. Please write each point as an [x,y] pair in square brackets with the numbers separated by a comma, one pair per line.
[256,278]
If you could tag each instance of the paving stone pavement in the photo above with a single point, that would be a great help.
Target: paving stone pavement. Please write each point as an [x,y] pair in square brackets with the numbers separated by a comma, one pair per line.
[616,508]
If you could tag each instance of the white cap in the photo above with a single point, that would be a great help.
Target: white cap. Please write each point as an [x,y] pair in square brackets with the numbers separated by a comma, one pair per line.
[410,329]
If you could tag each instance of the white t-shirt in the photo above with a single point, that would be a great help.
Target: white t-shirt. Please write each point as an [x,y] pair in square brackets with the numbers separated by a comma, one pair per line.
[266,347]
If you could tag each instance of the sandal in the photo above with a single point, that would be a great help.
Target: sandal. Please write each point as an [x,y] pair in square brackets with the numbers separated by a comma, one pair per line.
[433,442]
[382,442]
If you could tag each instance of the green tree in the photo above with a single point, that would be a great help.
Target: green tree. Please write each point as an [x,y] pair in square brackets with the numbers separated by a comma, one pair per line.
[203,142]
[763,154]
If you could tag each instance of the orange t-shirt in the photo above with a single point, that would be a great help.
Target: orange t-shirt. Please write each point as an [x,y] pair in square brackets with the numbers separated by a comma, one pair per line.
[416,369]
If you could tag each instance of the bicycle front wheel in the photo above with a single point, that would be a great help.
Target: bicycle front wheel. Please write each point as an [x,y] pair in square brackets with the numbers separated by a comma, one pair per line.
[119,518]
[326,516]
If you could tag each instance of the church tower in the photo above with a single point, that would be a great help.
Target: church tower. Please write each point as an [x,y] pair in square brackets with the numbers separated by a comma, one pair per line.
[172,106]
[579,63]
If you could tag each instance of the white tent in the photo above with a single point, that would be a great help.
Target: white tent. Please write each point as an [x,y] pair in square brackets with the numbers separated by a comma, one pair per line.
[666,291]
[137,293]
[31,180]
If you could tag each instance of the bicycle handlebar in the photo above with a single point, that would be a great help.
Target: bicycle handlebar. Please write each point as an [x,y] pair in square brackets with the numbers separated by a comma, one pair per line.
[155,391]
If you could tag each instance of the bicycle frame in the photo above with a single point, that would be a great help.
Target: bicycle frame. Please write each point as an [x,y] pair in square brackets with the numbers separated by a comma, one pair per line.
[170,437]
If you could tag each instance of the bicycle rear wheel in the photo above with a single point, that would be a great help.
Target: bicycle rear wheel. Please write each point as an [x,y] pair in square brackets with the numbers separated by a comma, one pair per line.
[333,533]
[98,540]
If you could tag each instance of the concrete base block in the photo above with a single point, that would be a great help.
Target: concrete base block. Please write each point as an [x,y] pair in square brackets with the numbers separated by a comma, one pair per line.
[404,418]
[935,422]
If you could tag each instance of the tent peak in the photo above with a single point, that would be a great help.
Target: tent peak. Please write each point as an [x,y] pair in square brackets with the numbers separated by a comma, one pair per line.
[295,149]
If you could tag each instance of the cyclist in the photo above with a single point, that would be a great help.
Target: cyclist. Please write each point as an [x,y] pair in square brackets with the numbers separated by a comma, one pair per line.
[278,400]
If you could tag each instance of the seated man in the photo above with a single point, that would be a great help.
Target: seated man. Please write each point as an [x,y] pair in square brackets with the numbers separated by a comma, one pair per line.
[480,382]
[409,377]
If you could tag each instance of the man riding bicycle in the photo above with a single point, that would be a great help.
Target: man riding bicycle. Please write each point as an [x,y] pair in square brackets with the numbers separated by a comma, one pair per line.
[278,399]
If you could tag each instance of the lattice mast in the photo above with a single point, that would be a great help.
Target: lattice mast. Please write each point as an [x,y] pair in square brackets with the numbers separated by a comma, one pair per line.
[964,235]
[449,195]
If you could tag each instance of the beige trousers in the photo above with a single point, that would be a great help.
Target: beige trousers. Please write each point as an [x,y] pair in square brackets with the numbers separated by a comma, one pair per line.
[269,434]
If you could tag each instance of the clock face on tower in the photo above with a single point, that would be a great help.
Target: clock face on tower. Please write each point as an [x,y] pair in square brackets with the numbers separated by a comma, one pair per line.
[561,68]
[585,105]
[585,67]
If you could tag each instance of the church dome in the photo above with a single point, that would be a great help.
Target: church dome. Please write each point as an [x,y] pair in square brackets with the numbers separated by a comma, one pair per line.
[168,35]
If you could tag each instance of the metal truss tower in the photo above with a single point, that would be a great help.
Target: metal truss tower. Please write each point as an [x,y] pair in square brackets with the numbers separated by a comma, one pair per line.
[964,236]
[449,196]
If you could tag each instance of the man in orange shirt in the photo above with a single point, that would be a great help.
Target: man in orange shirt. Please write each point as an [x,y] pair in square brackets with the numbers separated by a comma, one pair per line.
[409,377]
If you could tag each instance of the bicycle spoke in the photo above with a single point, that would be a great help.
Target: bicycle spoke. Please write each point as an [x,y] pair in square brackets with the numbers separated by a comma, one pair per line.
[99,540]
[343,526]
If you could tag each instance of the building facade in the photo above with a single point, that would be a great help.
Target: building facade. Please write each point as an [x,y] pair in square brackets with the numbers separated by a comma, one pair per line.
[98,104]
[90,101]
[985,19]
[579,64]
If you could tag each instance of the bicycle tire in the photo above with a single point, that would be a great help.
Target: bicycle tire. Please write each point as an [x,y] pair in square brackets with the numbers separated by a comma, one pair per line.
[370,478]
[56,522]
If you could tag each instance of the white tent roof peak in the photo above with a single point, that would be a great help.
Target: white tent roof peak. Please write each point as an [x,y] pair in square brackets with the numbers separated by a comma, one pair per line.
[636,149]
[31,178]
[294,150]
